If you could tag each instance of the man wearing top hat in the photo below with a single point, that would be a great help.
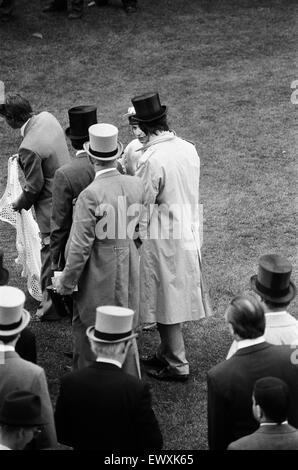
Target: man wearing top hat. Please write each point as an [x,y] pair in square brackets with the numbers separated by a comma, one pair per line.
[102,258]
[170,274]
[42,151]
[69,181]
[273,284]
[101,407]
[20,419]
[230,383]
[15,372]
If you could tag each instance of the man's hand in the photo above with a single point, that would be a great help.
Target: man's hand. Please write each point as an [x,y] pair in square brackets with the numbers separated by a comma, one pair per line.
[15,207]
[60,288]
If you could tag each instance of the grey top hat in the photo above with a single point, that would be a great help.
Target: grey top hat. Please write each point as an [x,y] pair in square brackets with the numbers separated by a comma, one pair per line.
[273,279]
[13,317]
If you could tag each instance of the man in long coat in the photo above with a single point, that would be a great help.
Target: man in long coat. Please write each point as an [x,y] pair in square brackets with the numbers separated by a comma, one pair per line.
[102,258]
[170,273]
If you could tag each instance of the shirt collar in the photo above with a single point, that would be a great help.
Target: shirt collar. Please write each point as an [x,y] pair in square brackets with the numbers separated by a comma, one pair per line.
[109,361]
[280,312]
[79,152]
[23,127]
[274,424]
[101,172]
[6,347]
[245,343]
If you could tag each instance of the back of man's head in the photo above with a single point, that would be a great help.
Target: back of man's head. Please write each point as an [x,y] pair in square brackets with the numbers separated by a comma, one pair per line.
[107,350]
[17,110]
[247,317]
[272,396]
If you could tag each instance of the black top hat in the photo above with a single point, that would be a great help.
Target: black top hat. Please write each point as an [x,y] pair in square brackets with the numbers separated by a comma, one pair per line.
[21,408]
[148,107]
[273,279]
[4,274]
[80,119]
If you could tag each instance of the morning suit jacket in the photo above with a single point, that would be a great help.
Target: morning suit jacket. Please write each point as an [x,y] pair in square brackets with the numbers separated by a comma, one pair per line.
[69,181]
[18,374]
[276,437]
[102,408]
[41,152]
[102,258]
[230,386]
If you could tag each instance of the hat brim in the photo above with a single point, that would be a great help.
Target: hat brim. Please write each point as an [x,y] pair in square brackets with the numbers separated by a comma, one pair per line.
[75,137]
[278,300]
[25,321]
[90,334]
[86,147]
[155,118]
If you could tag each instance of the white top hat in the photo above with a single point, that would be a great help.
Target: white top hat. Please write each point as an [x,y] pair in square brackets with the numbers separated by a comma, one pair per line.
[103,142]
[13,317]
[113,324]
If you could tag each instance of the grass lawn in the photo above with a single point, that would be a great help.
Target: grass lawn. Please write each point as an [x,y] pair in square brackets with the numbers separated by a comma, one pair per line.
[224,68]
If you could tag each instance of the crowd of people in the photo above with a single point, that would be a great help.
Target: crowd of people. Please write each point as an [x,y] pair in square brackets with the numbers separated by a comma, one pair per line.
[120,232]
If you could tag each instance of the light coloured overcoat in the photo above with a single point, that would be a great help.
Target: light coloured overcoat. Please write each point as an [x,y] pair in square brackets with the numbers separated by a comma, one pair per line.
[101,258]
[169,272]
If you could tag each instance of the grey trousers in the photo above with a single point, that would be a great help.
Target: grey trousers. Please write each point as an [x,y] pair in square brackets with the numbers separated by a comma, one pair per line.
[171,349]
[75,5]
[46,308]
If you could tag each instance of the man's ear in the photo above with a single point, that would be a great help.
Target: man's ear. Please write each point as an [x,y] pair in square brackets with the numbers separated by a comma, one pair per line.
[231,329]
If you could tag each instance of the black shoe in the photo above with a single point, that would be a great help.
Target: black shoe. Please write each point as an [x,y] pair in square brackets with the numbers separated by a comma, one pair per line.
[130,9]
[53,8]
[152,361]
[168,375]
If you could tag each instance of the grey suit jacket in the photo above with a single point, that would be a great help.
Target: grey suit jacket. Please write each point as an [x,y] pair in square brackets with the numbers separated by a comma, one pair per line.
[277,437]
[69,181]
[18,374]
[41,152]
[102,257]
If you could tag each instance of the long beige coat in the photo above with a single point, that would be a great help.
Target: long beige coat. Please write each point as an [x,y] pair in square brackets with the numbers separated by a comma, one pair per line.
[169,273]
[106,270]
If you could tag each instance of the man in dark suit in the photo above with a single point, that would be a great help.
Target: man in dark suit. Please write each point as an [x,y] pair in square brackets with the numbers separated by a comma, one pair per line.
[42,151]
[270,408]
[101,407]
[230,383]
[15,372]
[69,181]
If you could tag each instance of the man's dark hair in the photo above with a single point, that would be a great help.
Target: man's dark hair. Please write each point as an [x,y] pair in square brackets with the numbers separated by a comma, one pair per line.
[17,108]
[154,127]
[8,339]
[272,395]
[246,315]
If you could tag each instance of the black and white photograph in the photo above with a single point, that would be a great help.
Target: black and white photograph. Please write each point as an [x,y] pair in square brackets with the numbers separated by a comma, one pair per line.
[148,228]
